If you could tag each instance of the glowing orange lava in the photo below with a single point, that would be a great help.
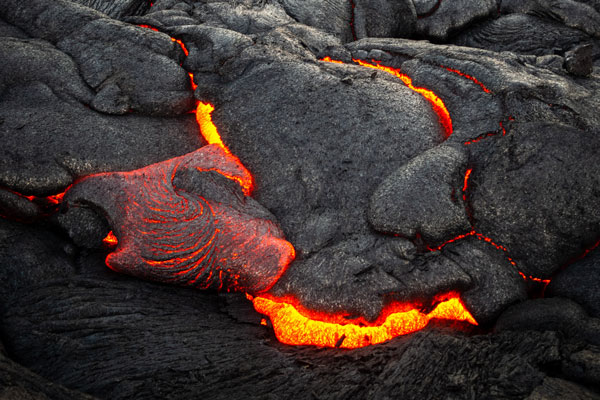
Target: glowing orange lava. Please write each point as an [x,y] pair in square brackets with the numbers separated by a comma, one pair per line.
[211,135]
[295,325]
[329,59]
[52,200]
[110,240]
[469,77]
[480,138]
[531,278]
[194,86]
[466,183]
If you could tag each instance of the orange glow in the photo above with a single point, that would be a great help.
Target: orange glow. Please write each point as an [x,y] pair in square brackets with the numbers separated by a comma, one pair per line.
[480,138]
[194,86]
[438,105]
[110,240]
[149,27]
[531,278]
[466,183]
[479,236]
[211,135]
[328,59]
[469,77]
[295,325]
[490,134]
[52,200]
[179,42]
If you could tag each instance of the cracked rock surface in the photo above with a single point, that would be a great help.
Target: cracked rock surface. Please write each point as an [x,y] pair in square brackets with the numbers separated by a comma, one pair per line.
[381,201]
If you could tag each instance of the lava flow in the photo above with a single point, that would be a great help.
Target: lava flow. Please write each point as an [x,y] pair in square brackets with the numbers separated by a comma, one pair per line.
[438,105]
[211,135]
[295,325]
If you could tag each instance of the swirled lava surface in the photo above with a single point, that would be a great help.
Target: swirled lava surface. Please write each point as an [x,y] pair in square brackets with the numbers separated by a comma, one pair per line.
[186,221]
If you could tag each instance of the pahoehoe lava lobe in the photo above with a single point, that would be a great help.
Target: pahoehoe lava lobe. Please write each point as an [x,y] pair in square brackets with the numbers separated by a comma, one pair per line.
[186,221]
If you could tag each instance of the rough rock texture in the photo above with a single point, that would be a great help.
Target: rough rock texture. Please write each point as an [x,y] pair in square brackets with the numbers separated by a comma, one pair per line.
[384,18]
[581,283]
[120,62]
[117,337]
[524,34]
[381,195]
[449,16]
[19,383]
[424,197]
[117,9]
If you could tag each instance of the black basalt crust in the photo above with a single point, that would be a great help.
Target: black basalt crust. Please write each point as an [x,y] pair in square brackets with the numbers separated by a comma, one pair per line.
[406,149]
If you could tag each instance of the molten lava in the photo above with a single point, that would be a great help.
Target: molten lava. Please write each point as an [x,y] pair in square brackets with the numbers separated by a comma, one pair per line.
[110,240]
[211,135]
[295,325]
[438,105]
[469,77]
[466,183]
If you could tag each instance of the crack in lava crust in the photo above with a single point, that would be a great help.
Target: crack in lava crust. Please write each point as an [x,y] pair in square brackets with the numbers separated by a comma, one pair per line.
[438,105]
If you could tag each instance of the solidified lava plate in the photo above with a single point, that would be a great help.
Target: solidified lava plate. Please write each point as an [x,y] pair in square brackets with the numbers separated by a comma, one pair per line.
[418,175]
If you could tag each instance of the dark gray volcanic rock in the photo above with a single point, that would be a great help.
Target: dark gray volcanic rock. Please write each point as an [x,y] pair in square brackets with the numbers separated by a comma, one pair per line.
[19,383]
[580,282]
[424,197]
[579,60]
[452,15]
[309,167]
[553,388]
[140,68]
[524,34]
[116,337]
[513,148]
[30,256]
[424,7]
[244,18]
[49,142]
[522,171]
[571,13]
[18,207]
[331,16]
[384,18]
[556,314]
[342,156]
[117,9]
[494,282]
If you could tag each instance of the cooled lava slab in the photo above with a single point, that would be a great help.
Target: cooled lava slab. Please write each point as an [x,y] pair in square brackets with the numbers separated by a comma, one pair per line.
[400,170]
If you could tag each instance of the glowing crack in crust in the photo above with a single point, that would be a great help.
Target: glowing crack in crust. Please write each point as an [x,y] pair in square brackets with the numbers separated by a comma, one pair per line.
[171,231]
[438,105]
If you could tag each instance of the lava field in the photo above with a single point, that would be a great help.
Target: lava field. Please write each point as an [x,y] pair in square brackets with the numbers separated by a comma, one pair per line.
[307,199]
